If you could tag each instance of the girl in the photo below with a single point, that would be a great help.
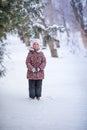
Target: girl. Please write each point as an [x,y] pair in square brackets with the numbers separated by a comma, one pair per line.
[36,63]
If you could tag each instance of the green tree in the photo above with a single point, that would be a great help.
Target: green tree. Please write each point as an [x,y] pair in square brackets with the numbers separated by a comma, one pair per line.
[17,16]
[24,17]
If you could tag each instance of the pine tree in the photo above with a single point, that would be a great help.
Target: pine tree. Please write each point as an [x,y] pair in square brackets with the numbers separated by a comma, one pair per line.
[17,16]
[24,17]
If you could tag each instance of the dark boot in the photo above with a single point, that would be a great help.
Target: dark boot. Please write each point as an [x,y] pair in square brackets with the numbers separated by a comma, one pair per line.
[38,98]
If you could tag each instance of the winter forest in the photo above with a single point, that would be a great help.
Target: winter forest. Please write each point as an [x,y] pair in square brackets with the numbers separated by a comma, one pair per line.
[61,26]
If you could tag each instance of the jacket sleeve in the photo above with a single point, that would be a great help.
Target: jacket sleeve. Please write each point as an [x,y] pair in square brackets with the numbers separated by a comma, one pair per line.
[43,64]
[28,64]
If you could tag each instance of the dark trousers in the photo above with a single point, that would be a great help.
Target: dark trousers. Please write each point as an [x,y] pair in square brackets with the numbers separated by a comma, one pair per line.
[35,88]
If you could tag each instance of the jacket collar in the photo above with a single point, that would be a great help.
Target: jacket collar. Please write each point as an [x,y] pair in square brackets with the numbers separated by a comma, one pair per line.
[31,49]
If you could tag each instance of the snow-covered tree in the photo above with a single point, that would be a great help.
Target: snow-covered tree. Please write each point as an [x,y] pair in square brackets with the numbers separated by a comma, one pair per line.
[2,54]
[18,16]
[26,18]
[80,11]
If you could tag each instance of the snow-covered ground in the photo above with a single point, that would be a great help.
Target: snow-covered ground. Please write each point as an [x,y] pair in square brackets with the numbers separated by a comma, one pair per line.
[63,105]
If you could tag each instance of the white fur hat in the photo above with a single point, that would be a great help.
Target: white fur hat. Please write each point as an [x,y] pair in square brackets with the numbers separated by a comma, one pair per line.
[35,40]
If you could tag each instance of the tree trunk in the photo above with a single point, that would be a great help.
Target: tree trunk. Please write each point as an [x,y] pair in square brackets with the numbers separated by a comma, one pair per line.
[51,22]
[52,50]
[84,37]
[57,44]
[26,40]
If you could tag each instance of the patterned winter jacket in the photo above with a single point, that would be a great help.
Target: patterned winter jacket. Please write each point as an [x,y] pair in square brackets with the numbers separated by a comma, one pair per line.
[35,59]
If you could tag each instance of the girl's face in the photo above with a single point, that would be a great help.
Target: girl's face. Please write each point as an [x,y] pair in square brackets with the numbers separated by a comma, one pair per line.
[36,46]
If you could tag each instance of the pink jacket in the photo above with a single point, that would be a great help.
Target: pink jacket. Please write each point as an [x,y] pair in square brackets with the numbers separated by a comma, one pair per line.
[35,59]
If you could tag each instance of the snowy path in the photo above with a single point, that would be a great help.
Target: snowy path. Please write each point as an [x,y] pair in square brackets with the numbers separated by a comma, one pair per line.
[64,99]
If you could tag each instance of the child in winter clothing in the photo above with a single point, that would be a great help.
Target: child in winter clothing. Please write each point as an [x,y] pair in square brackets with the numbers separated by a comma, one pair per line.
[36,63]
